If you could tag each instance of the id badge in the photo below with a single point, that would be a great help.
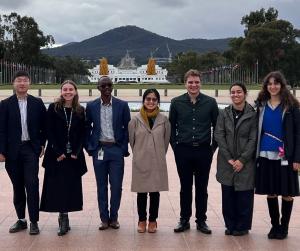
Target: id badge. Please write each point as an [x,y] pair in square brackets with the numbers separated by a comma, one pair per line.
[100,154]
[284,162]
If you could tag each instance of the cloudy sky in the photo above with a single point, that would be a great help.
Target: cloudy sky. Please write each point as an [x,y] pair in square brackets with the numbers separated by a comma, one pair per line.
[76,20]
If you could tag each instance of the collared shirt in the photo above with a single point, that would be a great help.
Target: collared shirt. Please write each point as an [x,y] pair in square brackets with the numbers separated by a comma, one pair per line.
[192,123]
[106,114]
[23,112]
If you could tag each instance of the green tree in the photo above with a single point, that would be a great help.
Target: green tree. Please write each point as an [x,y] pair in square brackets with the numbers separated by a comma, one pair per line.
[68,67]
[268,41]
[21,38]
[210,60]
[259,17]
[193,60]
[182,63]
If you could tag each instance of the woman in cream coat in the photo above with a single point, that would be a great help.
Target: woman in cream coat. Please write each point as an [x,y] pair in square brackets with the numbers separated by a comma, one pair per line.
[149,135]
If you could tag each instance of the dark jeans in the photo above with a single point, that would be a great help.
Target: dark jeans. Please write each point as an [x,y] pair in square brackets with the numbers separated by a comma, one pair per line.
[111,169]
[237,208]
[142,206]
[23,173]
[193,162]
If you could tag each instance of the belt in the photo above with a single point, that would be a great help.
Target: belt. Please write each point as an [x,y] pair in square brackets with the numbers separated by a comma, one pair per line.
[107,143]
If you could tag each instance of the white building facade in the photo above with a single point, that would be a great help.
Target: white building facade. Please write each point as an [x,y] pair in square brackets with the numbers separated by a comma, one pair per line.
[128,72]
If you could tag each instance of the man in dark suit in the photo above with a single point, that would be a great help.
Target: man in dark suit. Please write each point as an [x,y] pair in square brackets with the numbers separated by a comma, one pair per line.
[107,142]
[22,140]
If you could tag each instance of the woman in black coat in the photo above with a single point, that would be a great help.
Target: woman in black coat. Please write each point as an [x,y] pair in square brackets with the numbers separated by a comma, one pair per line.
[64,161]
[278,150]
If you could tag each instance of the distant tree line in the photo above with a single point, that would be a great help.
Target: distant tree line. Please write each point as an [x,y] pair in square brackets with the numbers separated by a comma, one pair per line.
[269,42]
[21,41]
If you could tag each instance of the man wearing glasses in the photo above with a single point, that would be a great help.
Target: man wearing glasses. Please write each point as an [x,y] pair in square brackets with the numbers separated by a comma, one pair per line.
[22,141]
[107,142]
[192,115]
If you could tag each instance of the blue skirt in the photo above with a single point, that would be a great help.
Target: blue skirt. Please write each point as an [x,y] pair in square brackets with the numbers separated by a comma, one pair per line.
[272,178]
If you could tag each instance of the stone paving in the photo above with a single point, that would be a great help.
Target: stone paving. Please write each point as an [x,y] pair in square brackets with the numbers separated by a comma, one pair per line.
[85,235]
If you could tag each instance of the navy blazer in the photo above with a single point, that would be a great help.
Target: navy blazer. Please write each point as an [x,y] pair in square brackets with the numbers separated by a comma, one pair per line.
[121,118]
[10,125]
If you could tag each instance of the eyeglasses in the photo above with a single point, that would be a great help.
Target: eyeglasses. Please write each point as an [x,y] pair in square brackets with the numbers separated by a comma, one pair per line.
[148,99]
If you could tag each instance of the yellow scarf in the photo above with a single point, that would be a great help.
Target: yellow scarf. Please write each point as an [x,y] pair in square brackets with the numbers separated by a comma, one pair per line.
[145,115]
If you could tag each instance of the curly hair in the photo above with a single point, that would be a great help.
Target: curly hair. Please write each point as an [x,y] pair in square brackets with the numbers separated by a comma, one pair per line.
[287,99]
[59,103]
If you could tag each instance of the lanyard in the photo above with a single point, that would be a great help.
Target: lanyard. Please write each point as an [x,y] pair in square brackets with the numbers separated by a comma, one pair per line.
[69,122]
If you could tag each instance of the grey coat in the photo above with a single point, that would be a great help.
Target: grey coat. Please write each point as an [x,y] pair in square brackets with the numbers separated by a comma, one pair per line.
[236,143]
[149,147]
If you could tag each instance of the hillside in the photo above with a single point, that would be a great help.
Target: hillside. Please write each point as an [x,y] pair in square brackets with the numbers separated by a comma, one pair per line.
[113,44]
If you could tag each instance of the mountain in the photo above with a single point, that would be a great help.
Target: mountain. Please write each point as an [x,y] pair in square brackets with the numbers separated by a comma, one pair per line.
[114,43]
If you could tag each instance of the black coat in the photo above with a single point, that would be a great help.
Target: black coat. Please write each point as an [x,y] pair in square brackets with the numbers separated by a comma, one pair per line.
[10,125]
[291,137]
[62,188]
[57,138]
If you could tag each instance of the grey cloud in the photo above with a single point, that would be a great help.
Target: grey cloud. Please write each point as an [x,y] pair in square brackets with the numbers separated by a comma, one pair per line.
[76,20]
[13,4]
[170,3]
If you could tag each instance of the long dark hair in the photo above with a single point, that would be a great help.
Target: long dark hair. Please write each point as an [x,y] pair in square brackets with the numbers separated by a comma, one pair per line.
[240,84]
[287,99]
[59,103]
[154,91]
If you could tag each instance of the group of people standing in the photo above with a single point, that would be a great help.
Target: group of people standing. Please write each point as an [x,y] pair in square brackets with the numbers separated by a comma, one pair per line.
[259,152]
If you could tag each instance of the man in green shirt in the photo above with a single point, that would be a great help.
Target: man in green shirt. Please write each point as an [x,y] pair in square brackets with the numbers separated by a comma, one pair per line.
[193,117]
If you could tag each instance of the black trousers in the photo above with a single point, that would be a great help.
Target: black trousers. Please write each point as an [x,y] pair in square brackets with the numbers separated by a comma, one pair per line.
[23,173]
[237,208]
[142,206]
[193,162]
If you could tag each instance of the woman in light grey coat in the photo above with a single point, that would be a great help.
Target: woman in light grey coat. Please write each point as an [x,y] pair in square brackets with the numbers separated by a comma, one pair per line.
[236,137]
[149,135]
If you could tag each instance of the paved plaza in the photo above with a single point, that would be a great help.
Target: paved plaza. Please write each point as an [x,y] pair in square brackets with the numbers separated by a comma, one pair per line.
[85,235]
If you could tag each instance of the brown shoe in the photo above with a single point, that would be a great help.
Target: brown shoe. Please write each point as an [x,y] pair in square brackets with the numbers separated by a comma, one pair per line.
[142,227]
[103,225]
[152,226]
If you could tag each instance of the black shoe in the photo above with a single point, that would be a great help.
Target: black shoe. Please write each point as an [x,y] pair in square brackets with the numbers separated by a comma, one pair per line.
[103,225]
[18,226]
[202,227]
[273,233]
[182,226]
[63,222]
[281,234]
[34,229]
[240,233]
[228,232]
[114,224]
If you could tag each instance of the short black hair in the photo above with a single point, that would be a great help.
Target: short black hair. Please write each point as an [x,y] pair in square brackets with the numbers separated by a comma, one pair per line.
[103,78]
[152,90]
[20,74]
[240,84]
